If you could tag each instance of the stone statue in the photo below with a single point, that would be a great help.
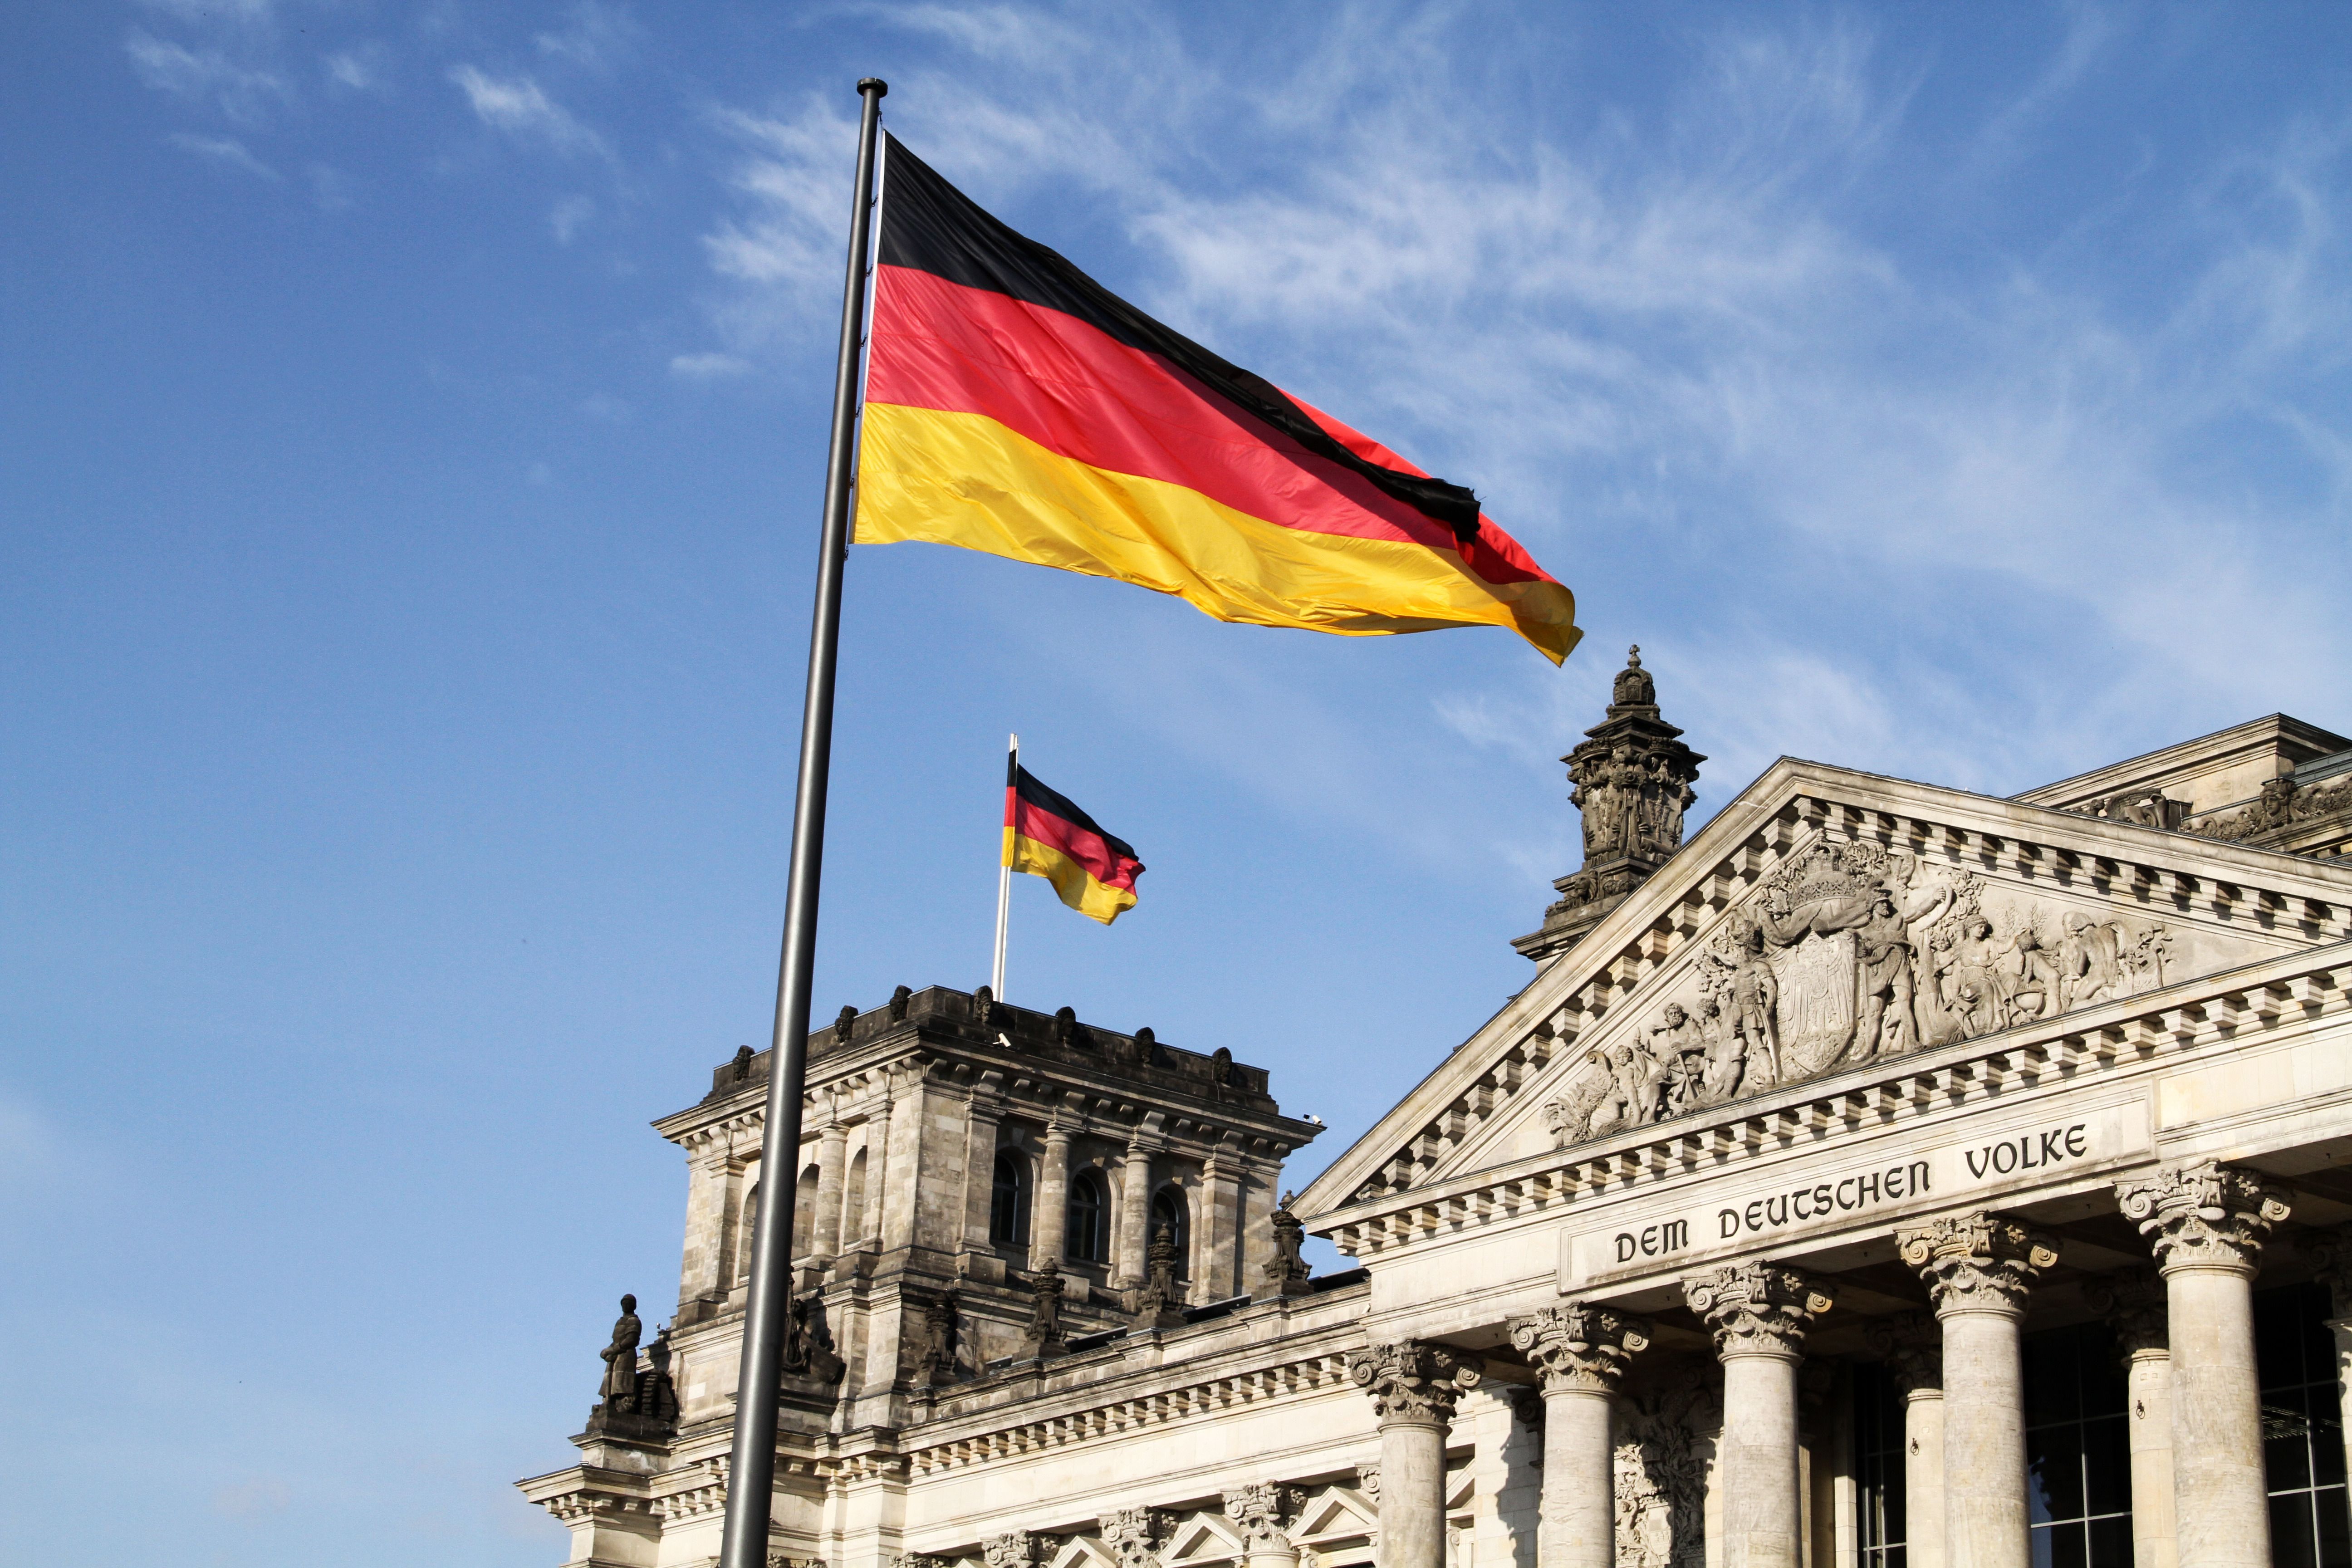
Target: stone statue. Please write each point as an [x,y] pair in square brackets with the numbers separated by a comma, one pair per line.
[936,1355]
[1680,1051]
[1287,1270]
[1044,1330]
[1159,1305]
[619,1389]
[1882,945]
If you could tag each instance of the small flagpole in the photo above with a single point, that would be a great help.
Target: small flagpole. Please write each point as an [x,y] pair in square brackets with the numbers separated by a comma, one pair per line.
[1005,878]
[752,1472]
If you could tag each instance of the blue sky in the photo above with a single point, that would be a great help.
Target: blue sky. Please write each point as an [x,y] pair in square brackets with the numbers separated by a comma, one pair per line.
[412,418]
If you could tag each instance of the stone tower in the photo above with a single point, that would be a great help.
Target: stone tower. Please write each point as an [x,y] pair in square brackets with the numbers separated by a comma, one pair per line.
[975,1181]
[1633,776]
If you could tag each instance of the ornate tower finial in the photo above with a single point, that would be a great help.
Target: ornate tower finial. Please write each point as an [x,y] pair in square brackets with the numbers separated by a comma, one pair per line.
[1633,776]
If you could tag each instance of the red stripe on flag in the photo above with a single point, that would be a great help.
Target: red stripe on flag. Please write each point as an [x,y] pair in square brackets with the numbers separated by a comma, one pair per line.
[1075,391]
[1102,863]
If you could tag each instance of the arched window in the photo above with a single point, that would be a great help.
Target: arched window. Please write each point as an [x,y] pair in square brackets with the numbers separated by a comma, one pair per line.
[853,1202]
[1084,1237]
[751,1229]
[805,1213]
[1008,1200]
[1171,1212]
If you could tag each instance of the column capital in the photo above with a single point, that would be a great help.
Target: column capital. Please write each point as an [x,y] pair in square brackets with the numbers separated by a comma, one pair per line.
[2330,1252]
[1133,1535]
[1262,1513]
[1020,1549]
[1413,1382]
[2204,1214]
[1977,1262]
[2134,1304]
[1578,1346]
[1913,1345]
[1757,1309]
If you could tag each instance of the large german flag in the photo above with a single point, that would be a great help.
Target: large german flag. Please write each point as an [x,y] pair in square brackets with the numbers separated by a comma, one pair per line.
[1016,406]
[1046,836]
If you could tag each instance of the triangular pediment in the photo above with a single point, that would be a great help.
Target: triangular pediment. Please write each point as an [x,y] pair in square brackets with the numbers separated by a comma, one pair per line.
[1824,919]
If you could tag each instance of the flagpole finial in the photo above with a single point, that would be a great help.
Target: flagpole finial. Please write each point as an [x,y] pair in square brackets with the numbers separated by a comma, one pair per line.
[875,85]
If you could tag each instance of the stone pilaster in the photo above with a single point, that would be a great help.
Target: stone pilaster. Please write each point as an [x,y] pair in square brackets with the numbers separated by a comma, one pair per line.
[1414,1387]
[2206,1223]
[1262,1514]
[1579,1352]
[2134,1306]
[1758,1313]
[1217,1272]
[1978,1268]
[987,1111]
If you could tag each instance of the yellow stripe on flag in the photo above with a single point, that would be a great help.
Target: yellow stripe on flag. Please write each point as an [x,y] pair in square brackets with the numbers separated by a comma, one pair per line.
[1075,884]
[938,477]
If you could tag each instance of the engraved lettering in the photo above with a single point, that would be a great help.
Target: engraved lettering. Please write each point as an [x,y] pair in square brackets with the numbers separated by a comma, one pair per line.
[1677,1235]
[1998,1150]
[1624,1246]
[1798,1200]
[1844,1202]
[1727,1221]
[1918,1177]
[2075,1143]
[1976,1164]
[2054,1147]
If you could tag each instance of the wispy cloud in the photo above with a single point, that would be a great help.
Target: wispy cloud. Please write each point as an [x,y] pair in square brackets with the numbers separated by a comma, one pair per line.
[517,106]
[594,35]
[363,67]
[710,366]
[242,93]
[224,151]
[568,215]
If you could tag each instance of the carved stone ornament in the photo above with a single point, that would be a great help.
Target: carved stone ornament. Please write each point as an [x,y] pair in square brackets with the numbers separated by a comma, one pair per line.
[1021,1548]
[2282,804]
[1287,1272]
[939,1340]
[2203,1215]
[1414,1381]
[1368,1481]
[1664,1452]
[1632,779]
[899,996]
[1913,1346]
[918,1559]
[843,1023]
[1159,1304]
[1977,1262]
[1043,1332]
[1757,1309]
[2137,1313]
[1262,1513]
[1133,1535]
[1847,953]
[1579,1346]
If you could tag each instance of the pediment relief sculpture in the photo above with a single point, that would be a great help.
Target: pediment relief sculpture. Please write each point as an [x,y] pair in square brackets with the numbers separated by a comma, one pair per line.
[1851,952]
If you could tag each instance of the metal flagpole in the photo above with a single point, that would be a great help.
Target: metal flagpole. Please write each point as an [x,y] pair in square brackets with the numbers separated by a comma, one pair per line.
[1005,879]
[751,1476]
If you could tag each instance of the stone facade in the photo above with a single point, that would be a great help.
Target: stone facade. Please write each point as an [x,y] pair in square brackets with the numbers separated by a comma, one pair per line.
[1737,1230]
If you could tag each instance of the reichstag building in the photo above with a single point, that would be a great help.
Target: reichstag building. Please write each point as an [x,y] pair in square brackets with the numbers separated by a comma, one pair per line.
[1887,1176]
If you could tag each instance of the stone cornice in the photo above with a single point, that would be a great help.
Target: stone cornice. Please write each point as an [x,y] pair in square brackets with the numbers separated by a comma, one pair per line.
[1784,812]
[2116,1039]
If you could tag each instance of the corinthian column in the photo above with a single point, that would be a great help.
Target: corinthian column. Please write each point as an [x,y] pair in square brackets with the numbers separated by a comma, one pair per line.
[1579,1352]
[2133,1305]
[1978,1268]
[1759,1312]
[1414,1387]
[1914,1348]
[2205,1222]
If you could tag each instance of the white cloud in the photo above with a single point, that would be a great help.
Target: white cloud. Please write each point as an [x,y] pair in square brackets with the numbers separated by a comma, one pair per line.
[708,366]
[223,151]
[518,107]
[242,93]
[595,36]
[329,187]
[568,216]
[363,67]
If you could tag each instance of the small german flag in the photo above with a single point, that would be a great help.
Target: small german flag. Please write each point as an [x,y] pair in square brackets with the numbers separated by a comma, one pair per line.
[1047,836]
[1016,406]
